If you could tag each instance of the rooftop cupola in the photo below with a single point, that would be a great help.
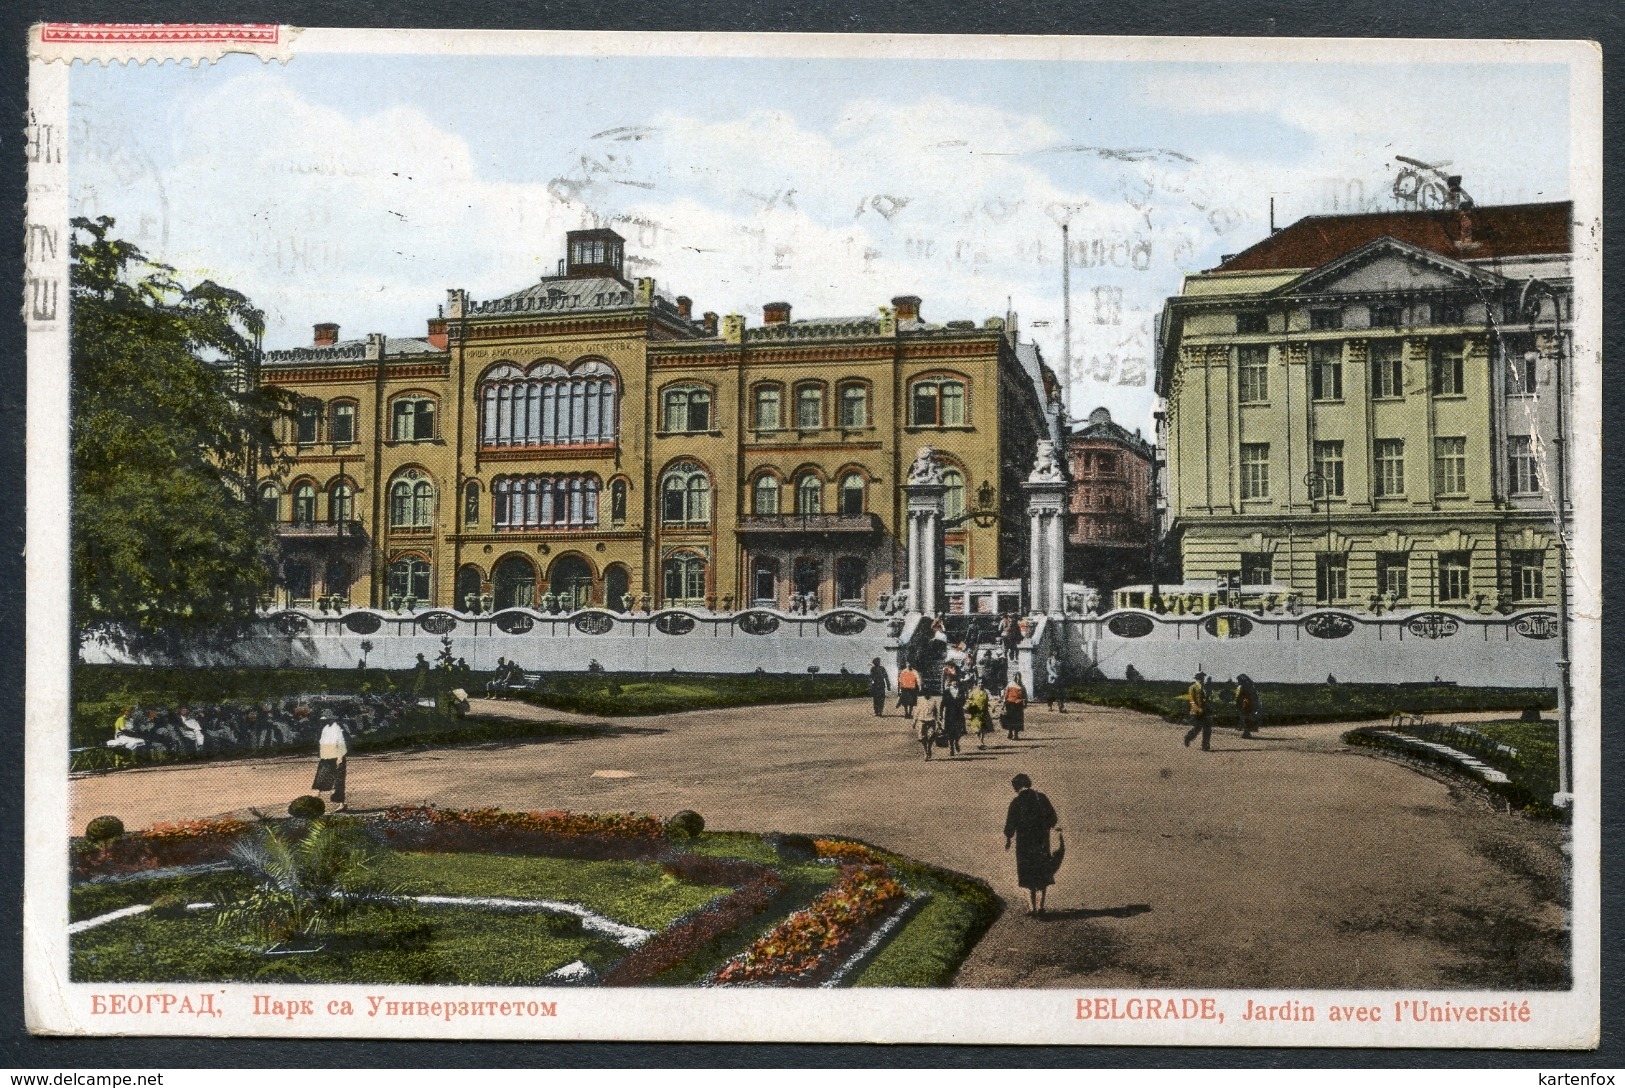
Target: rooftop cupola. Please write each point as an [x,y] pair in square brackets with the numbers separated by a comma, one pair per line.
[594,253]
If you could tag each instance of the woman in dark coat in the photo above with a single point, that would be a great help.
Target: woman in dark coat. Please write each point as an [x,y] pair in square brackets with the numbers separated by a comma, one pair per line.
[953,709]
[879,685]
[1028,824]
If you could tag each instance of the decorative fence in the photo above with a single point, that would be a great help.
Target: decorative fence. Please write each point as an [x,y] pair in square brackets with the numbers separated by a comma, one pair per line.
[1518,650]
[674,639]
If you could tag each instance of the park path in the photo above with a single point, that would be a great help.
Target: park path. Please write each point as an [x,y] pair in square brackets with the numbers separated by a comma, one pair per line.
[1285,860]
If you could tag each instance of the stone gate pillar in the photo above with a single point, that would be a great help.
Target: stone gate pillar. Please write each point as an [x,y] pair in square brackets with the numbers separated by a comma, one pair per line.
[925,490]
[1046,525]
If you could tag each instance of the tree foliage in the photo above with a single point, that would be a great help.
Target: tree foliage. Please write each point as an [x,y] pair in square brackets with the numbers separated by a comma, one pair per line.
[169,431]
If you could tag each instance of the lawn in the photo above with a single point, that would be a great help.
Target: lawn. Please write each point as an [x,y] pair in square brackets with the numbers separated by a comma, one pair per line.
[1293,704]
[1533,771]
[637,694]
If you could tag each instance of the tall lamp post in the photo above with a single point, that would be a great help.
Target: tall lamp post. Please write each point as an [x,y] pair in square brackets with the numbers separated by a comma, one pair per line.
[1316,483]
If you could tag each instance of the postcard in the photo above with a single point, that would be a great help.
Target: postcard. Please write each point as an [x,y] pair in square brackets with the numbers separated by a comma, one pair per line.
[813,537]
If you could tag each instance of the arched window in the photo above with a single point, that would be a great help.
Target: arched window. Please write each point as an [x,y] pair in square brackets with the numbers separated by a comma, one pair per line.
[953,495]
[937,402]
[270,502]
[768,408]
[688,408]
[809,494]
[411,502]
[413,418]
[684,579]
[468,588]
[617,586]
[853,489]
[304,504]
[409,579]
[766,497]
[471,503]
[513,583]
[809,407]
[854,405]
[617,501]
[296,576]
[685,495]
[341,503]
[338,579]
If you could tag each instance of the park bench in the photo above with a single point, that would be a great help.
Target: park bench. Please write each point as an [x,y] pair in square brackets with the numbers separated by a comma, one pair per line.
[523,681]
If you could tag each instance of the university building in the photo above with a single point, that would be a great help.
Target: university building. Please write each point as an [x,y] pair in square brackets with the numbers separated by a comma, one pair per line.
[1361,410]
[587,440]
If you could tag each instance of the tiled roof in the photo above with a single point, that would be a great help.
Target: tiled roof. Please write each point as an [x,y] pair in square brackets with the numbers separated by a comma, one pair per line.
[1472,234]
[345,351]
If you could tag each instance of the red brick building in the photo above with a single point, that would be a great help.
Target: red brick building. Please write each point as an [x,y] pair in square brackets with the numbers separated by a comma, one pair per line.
[1111,524]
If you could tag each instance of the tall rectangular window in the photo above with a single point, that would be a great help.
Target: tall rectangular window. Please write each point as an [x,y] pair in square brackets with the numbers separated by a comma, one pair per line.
[1253,374]
[1390,467]
[1522,477]
[1331,577]
[1454,568]
[809,407]
[1522,361]
[767,408]
[310,413]
[1326,370]
[1325,318]
[1450,466]
[341,427]
[1387,368]
[1329,466]
[1528,576]
[1393,575]
[1257,568]
[1255,470]
[1448,377]
[1385,316]
[854,406]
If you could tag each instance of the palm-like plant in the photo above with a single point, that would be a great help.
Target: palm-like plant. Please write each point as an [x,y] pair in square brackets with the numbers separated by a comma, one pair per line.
[306,884]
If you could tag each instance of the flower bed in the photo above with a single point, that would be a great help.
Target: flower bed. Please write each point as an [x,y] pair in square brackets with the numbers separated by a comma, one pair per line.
[811,943]
[759,887]
[189,842]
[592,836]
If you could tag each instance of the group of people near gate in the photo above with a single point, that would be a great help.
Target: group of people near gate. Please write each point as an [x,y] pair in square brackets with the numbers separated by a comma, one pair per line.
[973,702]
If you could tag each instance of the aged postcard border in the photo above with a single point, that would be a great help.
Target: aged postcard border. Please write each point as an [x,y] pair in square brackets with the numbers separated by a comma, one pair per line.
[56,1005]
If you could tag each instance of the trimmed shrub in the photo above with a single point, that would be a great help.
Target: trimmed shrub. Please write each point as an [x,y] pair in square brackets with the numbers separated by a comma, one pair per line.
[306,807]
[104,829]
[685,824]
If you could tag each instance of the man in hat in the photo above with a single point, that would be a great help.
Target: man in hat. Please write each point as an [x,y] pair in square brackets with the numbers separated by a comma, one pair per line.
[1201,712]
[330,765]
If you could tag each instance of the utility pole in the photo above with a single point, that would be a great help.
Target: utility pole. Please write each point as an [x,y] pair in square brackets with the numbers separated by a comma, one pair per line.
[1066,329]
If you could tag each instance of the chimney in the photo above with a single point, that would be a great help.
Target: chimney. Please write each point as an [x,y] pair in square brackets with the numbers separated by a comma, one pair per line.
[710,322]
[776,313]
[327,334]
[685,307]
[437,333]
[907,307]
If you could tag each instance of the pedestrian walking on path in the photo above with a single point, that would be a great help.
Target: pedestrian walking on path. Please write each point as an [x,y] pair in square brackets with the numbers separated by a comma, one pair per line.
[332,757]
[1027,824]
[953,710]
[926,725]
[1201,712]
[879,686]
[978,717]
[908,690]
[1015,707]
[1055,674]
[1248,705]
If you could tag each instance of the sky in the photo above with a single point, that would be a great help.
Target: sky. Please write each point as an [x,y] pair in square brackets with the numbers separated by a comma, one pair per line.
[358,189]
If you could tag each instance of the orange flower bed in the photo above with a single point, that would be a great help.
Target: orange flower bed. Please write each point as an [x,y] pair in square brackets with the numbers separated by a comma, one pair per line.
[550,822]
[811,942]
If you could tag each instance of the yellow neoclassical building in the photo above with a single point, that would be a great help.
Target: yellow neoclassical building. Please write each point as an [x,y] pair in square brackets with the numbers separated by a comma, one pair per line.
[589,441]
[1361,410]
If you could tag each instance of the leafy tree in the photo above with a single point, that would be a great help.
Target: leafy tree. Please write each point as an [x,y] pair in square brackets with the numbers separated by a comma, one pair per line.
[169,430]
